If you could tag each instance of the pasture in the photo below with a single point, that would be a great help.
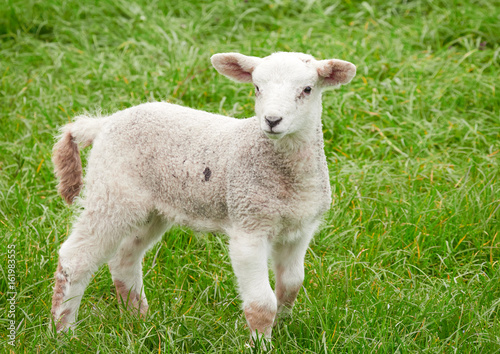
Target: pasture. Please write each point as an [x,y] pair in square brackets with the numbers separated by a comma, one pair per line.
[408,259]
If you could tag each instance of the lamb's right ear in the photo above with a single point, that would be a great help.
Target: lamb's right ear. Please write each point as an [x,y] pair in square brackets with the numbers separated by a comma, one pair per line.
[335,72]
[235,66]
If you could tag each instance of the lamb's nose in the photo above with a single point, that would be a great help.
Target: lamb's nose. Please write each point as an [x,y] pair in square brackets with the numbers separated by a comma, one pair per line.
[273,121]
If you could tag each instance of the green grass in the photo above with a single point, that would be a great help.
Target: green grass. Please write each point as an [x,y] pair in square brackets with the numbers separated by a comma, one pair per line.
[408,260]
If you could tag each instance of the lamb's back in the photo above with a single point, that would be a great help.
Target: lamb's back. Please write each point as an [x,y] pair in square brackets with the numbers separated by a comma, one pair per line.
[178,155]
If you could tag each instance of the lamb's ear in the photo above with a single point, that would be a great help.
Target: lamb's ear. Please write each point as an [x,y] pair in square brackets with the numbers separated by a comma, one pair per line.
[335,72]
[235,66]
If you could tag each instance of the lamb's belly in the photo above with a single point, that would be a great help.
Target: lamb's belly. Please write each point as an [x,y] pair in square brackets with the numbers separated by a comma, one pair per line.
[205,218]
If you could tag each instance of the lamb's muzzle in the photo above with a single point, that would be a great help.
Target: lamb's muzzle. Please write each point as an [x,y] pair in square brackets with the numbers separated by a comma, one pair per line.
[263,181]
[273,121]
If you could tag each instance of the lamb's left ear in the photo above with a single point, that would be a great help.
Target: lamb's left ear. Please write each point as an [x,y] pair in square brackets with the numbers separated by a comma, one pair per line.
[335,72]
[235,66]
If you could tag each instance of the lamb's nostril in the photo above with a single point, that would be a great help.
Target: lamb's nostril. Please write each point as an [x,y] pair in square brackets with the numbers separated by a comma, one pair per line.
[273,121]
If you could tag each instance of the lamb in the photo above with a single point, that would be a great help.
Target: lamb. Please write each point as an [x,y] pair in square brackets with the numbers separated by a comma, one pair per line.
[263,181]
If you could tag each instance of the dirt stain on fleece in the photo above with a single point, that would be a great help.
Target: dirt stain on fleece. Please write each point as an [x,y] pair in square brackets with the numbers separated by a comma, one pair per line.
[207,173]
[58,297]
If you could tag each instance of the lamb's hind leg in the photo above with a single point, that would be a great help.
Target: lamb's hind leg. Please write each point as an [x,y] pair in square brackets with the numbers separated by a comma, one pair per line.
[93,240]
[126,265]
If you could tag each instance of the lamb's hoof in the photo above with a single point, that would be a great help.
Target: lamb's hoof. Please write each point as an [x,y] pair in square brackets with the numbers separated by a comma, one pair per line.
[61,323]
[262,343]
[138,310]
[62,328]
[284,316]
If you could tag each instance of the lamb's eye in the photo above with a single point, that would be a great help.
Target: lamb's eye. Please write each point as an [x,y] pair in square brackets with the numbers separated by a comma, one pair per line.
[307,90]
[256,88]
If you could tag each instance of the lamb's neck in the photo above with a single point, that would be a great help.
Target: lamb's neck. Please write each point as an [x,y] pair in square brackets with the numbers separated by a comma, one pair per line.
[312,138]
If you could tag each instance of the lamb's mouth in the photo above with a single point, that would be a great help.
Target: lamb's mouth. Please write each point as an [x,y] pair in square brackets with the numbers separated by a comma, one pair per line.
[274,135]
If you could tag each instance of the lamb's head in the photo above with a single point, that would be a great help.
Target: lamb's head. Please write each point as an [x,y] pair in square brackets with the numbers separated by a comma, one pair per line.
[288,87]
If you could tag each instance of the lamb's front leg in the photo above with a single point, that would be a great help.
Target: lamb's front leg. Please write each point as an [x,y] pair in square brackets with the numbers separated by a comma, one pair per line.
[249,256]
[288,262]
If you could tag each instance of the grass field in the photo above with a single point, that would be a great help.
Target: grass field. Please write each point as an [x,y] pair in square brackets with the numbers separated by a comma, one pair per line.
[408,259]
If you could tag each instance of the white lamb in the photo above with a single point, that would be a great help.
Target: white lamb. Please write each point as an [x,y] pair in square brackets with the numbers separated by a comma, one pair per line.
[263,181]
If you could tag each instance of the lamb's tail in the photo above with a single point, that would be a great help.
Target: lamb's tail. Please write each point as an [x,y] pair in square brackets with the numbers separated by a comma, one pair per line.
[66,155]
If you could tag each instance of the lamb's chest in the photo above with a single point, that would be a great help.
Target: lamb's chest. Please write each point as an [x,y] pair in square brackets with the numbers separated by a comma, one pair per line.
[309,202]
